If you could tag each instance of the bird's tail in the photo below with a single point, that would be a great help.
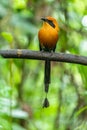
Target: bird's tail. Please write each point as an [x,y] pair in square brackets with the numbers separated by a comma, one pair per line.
[46,80]
[47,75]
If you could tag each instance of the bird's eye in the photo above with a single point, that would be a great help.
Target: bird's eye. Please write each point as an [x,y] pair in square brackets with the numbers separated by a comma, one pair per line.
[51,23]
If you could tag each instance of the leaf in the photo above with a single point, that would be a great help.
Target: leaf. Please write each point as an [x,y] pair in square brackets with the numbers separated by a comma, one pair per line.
[81,110]
[18,113]
[7,36]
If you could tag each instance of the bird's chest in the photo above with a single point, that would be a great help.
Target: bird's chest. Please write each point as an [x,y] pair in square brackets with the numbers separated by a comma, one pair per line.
[48,38]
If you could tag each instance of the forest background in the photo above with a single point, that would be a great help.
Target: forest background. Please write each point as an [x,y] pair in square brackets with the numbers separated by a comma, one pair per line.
[22,81]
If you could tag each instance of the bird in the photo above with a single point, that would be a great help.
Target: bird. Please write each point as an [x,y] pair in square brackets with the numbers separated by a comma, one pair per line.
[48,36]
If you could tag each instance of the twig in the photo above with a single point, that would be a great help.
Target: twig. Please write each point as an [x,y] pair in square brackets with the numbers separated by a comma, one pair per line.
[27,54]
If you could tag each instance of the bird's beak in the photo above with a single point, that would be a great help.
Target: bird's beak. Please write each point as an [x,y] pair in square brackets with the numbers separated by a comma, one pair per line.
[44,19]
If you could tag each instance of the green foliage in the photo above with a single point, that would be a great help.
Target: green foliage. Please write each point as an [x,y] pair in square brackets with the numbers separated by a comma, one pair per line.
[7,36]
[22,81]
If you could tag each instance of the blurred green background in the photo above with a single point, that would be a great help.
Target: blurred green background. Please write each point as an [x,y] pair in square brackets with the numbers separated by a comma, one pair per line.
[22,81]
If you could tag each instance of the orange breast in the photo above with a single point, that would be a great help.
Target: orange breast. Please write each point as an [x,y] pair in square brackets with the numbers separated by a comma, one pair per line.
[48,37]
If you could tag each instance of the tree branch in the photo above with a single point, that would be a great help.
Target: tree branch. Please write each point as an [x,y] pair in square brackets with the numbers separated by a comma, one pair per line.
[27,54]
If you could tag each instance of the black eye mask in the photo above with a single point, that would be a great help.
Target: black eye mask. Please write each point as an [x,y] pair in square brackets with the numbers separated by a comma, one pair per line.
[51,23]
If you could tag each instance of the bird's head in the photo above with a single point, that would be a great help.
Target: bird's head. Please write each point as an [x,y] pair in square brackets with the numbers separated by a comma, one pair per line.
[51,21]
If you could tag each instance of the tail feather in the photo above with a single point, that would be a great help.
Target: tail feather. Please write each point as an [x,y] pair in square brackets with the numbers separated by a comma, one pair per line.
[47,75]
